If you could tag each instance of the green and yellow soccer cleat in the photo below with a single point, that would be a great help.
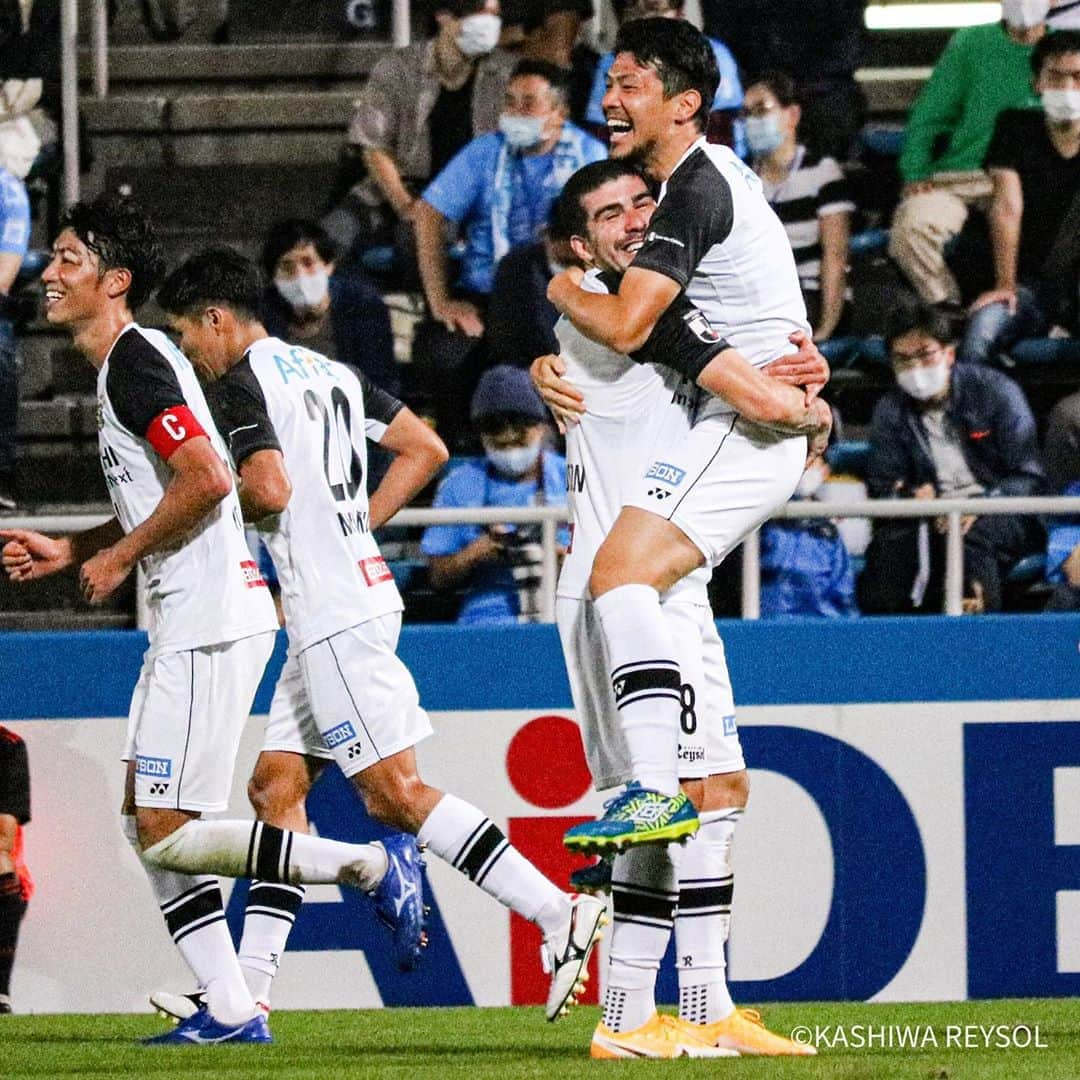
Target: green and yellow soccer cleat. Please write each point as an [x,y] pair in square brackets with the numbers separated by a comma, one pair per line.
[637,816]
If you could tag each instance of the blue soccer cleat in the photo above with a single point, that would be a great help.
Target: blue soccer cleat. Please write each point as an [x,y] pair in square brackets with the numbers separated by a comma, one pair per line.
[399,899]
[637,816]
[594,878]
[201,1029]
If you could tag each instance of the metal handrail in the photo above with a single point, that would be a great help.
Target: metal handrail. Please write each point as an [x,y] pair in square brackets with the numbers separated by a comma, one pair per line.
[953,510]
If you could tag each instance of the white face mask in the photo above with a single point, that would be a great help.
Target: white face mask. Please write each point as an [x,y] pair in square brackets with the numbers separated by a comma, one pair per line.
[514,461]
[521,132]
[811,479]
[1062,105]
[924,383]
[304,290]
[478,34]
[1024,13]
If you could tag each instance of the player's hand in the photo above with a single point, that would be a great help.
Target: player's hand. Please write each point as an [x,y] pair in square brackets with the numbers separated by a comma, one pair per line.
[566,402]
[101,575]
[817,439]
[459,316]
[564,284]
[806,368]
[28,555]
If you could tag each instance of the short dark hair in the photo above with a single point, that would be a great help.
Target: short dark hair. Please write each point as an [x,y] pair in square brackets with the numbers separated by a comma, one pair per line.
[122,238]
[284,235]
[620,7]
[217,275]
[457,8]
[557,78]
[568,217]
[921,317]
[1057,43]
[780,83]
[681,55]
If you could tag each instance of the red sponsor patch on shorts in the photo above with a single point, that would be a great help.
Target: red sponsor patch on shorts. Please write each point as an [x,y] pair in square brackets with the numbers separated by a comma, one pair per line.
[169,430]
[375,570]
[253,578]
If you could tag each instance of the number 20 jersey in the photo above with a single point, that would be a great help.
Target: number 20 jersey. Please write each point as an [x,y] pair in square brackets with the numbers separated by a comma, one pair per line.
[284,397]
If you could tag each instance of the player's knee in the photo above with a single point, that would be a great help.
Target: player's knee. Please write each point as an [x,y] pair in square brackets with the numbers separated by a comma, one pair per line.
[274,794]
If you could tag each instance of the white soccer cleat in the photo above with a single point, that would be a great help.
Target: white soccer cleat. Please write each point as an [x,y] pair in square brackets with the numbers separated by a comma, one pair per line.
[177,1007]
[565,954]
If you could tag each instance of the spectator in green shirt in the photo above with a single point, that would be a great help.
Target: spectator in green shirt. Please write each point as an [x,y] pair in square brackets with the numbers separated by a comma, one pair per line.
[984,70]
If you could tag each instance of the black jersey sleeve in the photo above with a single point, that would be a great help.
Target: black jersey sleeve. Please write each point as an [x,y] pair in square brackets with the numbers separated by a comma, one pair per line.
[380,407]
[141,383]
[683,339]
[696,213]
[238,406]
[14,777]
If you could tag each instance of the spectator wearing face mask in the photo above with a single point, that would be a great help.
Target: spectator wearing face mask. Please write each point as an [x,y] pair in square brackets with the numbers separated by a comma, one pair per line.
[945,431]
[983,71]
[308,304]
[497,567]
[1034,162]
[808,193]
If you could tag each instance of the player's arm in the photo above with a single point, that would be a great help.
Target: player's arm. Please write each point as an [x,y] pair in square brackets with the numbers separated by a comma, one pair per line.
[418,455]
[8,832]
[28,555]
[264,487]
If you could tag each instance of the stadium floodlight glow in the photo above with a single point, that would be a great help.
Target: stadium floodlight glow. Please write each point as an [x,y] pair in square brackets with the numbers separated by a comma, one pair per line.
[930,16]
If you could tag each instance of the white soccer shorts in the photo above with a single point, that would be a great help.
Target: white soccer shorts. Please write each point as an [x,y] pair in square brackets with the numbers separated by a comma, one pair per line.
[720,481]
[349,698]
[708,735]
[187,714]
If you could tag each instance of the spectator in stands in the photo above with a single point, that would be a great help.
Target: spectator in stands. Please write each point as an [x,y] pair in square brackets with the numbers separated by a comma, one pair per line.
[1061,450]
[14,237]
[945,431]
[420,106]
[1034,162]
[499,189]
[819,43]
[983,71]
[547,29]
[16,885]
[498,566]
[808,193]
[338,315]
[729,94]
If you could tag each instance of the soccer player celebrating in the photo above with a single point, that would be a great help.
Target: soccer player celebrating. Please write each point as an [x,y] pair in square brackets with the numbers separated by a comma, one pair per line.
[213,624]
[294,423]
[714,238]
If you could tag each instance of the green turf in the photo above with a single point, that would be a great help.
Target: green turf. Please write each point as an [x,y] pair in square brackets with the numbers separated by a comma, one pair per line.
[507,1044]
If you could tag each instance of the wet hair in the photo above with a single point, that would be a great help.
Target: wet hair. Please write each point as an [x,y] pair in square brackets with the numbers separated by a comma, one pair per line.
[680,54]
[1052,45]
[284,235]
[216,276]
[921,317]
[557,78]
[122,238]
[568,217]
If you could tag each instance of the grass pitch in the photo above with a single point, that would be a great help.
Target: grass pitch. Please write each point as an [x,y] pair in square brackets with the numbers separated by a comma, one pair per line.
[953,1041]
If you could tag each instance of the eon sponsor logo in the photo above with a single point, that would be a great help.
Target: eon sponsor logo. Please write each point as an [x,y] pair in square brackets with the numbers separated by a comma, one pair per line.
[338,735]
[670,474]
[153,766]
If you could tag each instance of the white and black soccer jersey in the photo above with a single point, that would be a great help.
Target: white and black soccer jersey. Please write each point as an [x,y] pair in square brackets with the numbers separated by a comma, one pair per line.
[316,412]
[207,590]
[715,234]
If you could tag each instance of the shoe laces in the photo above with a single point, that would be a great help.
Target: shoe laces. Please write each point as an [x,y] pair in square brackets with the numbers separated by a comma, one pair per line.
[632,788]
[751,1016]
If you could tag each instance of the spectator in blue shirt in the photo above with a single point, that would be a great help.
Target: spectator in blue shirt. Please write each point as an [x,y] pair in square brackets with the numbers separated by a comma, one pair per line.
[14,237]
[498,567]
[723,126]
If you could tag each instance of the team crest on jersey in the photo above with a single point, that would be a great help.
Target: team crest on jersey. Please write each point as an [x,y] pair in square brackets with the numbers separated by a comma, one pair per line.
[375,570]
[669,474]
[701,327]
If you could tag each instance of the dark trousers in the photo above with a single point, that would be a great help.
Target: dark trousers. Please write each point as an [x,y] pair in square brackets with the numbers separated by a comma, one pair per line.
[9,401]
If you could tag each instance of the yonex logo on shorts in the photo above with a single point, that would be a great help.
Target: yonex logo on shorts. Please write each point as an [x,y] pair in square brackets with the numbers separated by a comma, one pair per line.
[670,474]
[153,766]
[340,734]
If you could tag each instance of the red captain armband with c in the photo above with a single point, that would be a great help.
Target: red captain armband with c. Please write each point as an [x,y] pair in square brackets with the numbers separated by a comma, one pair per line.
[169,430]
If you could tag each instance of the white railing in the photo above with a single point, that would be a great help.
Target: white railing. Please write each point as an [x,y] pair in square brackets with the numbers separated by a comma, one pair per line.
[549,518]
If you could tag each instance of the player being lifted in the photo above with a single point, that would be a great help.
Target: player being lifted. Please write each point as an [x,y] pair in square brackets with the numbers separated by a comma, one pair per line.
[213,623]
[604,213]
[295,423]
[714,238]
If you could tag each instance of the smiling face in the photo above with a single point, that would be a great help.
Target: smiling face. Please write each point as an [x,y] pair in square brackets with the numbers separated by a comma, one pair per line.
[634,107]
[75,285]
[617,215]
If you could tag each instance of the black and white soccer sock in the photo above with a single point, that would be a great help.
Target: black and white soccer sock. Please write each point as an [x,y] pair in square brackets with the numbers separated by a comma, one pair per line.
[268,919]
[12,909]
[644,892]
[460,834]
[703,921]
[195,917]
[256,850]
[646,682]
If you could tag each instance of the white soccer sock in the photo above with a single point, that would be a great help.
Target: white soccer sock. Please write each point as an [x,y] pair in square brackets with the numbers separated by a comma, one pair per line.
[255,850]
[646,682]
[268,919]
[703,921]
[459,833]
[644,891]
[195,918]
